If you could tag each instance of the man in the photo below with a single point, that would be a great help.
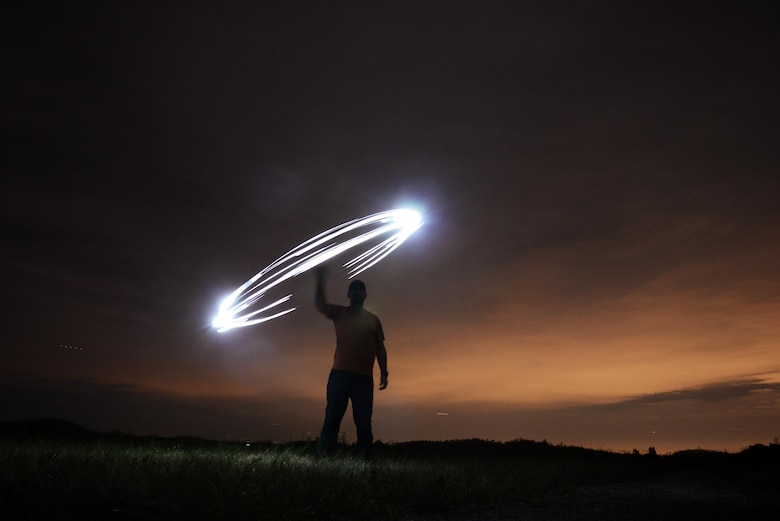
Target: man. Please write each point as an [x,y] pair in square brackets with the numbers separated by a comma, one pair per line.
[359,341]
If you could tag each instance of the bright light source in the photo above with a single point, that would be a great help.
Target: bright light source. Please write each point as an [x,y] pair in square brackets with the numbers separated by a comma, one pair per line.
[391,228]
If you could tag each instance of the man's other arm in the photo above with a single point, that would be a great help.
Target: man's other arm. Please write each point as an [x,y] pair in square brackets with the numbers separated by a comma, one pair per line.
[381,358]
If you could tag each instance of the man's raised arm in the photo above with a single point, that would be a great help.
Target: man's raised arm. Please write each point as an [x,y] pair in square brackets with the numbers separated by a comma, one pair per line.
[320,301]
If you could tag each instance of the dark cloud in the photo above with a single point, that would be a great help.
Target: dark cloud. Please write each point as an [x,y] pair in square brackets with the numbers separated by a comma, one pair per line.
[714,393]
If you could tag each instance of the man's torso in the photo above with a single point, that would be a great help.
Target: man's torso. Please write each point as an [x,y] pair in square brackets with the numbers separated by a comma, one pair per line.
[358,333]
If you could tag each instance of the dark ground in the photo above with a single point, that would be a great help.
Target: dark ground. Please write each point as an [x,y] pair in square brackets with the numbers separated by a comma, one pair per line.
[687,485]
[689,494]
[647,501]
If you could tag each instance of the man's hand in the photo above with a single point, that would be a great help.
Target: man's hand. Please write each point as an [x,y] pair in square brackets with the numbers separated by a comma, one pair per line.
[382,382]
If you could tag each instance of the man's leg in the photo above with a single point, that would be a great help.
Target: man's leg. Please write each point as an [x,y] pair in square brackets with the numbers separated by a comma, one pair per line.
[362,409]
[338,398]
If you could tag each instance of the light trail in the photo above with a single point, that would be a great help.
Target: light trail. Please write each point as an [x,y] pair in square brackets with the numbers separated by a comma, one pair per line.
[394,225]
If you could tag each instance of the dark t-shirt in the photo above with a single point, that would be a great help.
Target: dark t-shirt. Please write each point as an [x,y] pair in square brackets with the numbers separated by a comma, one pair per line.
[358,335]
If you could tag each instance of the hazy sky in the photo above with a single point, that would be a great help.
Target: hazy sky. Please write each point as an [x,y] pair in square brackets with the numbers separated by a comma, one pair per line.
[599,264]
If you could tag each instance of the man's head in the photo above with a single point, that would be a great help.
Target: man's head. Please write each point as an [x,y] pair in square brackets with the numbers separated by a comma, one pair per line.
[357,291]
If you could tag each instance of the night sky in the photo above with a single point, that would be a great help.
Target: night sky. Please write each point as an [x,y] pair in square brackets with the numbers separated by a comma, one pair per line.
[599,263]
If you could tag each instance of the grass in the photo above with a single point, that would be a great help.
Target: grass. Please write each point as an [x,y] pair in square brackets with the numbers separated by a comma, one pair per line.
[89,476]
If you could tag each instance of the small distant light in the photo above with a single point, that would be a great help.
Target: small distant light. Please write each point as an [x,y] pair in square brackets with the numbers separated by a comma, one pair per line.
[442,414]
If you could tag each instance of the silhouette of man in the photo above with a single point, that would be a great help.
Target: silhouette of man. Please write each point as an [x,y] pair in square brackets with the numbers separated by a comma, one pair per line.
[359,341]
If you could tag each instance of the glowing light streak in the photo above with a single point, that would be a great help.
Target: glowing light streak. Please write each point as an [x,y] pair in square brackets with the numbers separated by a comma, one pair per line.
[396,225]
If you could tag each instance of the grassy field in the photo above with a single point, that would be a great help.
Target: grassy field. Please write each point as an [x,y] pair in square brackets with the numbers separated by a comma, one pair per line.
[74,474]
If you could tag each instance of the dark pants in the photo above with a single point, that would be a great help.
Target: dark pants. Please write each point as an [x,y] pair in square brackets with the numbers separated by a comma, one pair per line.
[342,387]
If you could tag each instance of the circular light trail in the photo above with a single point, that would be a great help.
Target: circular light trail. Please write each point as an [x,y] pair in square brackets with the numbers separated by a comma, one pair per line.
[391,228]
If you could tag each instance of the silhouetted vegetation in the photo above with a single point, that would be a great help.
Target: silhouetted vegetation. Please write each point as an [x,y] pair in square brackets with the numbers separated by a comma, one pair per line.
[58,470]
